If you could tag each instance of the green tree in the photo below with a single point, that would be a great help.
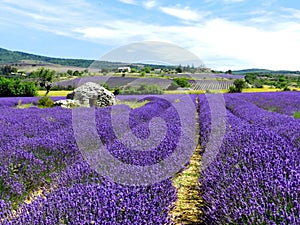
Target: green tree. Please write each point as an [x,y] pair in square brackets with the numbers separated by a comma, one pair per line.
[147,69]
[182,82]
[46,78]
[7,70]
[134,70]
[282,78]
[14,87]
[30,89]
[76,73]
[179,69]
[69,72]
[239,84]
[250,78]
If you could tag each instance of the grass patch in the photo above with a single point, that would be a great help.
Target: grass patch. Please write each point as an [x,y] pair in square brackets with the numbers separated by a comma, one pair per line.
[196,91]
[296,115]
[25,106]
[272,109]
[187,207]
[264,89]
[133,104]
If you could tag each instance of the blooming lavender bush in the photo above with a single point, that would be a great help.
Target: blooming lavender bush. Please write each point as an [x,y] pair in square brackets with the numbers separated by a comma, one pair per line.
[254,179]
[280,102]
[113,82]
[39,154]
[14,101]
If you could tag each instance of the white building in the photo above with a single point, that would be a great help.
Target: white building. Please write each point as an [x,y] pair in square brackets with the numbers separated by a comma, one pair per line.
[123,69]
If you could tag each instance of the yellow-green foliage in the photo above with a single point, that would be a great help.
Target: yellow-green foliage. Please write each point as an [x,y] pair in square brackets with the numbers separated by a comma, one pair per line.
[54,93]
[297,115]
[45,102]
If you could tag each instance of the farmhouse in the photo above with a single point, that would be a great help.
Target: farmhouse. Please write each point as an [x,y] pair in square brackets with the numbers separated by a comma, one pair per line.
[123,69]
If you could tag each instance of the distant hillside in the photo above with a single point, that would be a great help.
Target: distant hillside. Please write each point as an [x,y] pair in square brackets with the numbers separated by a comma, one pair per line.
[11,57]
[7,56]
[264,71]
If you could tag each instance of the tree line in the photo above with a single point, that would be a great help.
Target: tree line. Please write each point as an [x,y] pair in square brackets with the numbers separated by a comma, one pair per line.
[14,86]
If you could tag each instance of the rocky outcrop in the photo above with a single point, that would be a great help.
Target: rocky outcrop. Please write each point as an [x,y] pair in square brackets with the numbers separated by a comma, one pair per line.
[92,94]
[68,103]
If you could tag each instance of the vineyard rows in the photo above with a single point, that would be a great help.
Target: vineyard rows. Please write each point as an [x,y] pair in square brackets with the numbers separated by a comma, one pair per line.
[210,84]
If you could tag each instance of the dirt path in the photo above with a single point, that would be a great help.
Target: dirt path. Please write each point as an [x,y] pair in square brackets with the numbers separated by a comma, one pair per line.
[187,207]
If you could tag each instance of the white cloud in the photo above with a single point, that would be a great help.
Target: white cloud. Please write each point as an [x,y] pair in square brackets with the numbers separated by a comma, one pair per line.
[292,13]
[232,1]
[217,42]
[130,2]
[182,13]
[149,4]
[220,43]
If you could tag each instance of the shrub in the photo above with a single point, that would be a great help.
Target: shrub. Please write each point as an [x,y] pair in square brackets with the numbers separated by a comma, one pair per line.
[30,89]
[117,91]
[239,84]
[173,86]
[14,87]
[143,89]
[297,115]
[182,82]
[105,85]
[45,102]
[257,84]
[232,89]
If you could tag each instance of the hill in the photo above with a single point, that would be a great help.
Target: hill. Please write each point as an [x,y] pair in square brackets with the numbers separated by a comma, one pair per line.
[265,71]
[12,57]
[7,56]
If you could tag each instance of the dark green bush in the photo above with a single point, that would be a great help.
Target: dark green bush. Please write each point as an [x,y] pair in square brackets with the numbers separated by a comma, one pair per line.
[297,115]
[239,84]
[143,89]
[173,86]
[182,82]
[117,91]
[45,102]
[15,87]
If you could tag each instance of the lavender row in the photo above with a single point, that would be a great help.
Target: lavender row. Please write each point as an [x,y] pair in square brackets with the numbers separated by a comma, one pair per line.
[113,82]
[284,125]
[38,152]
[210,84]
[254,178]
[281,102]
[208,75]
[14,101]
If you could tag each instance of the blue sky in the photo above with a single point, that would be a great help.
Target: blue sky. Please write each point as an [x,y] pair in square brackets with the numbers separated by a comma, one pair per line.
[224,34]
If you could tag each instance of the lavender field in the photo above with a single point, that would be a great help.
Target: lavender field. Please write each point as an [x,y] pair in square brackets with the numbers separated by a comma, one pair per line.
[253,179]
[113,82]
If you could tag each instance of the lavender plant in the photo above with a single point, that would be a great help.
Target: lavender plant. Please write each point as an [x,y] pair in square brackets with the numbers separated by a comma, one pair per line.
[255,177]
[39,154]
